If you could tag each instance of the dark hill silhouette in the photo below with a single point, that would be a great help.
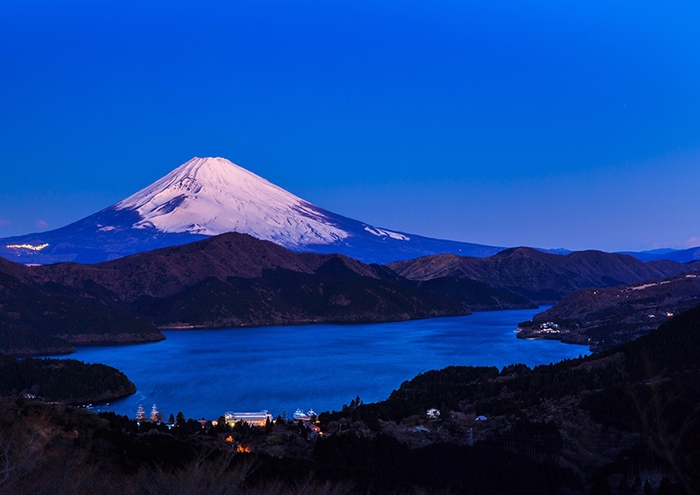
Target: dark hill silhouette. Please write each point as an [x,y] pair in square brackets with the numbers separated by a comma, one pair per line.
[35,320]
[542,277]
[628,414]
[228,280]
[605,317]
[167,271]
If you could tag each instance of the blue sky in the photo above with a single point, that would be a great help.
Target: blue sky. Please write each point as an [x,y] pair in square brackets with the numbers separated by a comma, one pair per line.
[523,123]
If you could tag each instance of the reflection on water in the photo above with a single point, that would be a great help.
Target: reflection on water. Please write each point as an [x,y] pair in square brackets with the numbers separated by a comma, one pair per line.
[204,373]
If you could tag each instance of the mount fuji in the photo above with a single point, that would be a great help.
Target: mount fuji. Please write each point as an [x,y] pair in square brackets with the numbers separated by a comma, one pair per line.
[209,196]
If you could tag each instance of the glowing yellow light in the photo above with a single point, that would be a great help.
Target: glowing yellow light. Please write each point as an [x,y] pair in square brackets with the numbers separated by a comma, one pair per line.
[27,246]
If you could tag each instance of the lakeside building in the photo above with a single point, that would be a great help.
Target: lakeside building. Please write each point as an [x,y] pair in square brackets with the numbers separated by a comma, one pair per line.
[432,413]
[300,415]
[251,418]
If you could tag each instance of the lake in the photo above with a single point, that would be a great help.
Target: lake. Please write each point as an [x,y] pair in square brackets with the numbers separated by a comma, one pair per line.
[204,373]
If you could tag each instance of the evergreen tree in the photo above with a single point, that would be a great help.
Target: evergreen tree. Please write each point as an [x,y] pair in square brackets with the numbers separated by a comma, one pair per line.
[180,419]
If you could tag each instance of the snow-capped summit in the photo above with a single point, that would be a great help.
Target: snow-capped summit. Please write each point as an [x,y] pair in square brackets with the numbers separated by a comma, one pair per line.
[212,196]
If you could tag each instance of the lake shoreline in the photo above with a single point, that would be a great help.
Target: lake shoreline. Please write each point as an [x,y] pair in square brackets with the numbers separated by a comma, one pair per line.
[204,373]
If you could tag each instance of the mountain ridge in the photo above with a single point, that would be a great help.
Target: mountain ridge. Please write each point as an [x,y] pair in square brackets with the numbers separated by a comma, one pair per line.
[605,317]
[680,255]
[230,280]
[542,277]
[211,196]
[165,271]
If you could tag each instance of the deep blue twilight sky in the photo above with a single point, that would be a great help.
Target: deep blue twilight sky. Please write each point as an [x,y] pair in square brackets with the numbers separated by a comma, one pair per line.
[541,123]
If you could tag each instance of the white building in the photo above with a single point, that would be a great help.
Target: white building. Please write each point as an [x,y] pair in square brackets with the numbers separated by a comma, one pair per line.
[252,418]
[432,413]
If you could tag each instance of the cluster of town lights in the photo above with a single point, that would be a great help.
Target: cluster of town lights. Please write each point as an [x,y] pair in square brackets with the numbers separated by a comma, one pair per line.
[27,246]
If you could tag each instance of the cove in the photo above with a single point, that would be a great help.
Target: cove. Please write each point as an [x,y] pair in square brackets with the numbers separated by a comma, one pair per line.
[205,373]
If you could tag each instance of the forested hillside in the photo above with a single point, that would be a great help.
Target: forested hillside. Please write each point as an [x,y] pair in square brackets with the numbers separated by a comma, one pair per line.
[62,380]
[625,421]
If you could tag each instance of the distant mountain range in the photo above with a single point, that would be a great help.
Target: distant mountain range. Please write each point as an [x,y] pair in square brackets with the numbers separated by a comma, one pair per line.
[211,196]
[235,280]
[679,255]
[213,245]
[230,280]
[543,278]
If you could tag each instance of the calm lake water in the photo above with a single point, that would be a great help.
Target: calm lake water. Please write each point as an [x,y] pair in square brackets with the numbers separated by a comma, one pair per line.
[204,373]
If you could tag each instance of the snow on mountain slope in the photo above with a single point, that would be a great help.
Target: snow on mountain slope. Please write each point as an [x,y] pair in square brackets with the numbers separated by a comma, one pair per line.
[211,196]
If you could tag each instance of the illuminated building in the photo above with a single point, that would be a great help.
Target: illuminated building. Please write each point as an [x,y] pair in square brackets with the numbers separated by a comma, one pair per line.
[252,418]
